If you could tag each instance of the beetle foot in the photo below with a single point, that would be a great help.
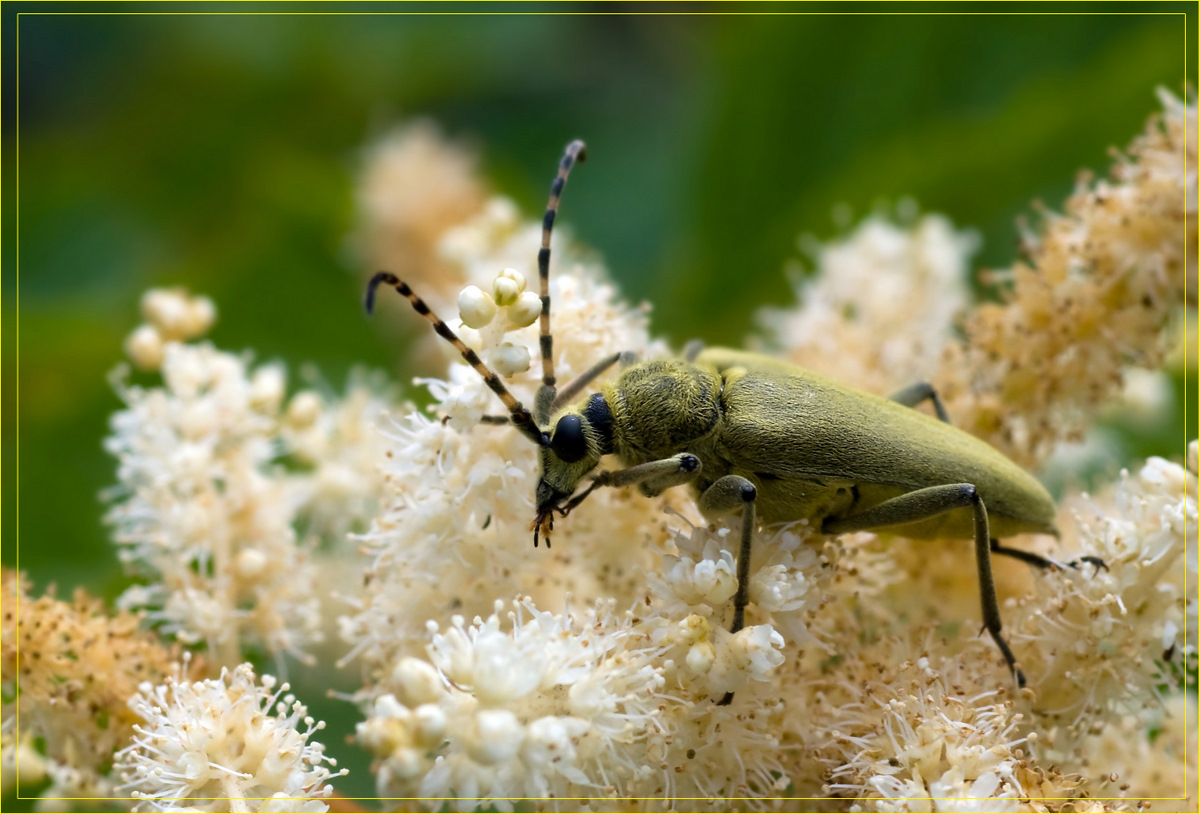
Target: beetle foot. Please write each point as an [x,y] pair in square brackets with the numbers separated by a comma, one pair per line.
[1087,559]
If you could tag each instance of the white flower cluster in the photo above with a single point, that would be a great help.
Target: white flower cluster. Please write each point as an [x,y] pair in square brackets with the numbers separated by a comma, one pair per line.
[171,315]
[1134,611]
[1097,291]
[560,706]
[944,752]
[226,744]
[205,514]
[533,712]
[855,318]
[198,512]
[335,439]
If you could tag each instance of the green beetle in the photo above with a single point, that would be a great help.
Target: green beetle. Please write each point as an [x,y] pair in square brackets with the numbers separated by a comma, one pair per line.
[771,439]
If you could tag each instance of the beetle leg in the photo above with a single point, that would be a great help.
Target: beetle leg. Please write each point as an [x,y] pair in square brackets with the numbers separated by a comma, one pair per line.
[1095,562]
[1045,562]
[923,504]
[725,495]
[652,477]
[658,475]
[914,394]
[1025,556]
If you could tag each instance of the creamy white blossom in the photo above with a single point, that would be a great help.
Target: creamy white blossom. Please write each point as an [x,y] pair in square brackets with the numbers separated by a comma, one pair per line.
[889,292]
[563,705]
[225,744]
[1133,611]
[198,503]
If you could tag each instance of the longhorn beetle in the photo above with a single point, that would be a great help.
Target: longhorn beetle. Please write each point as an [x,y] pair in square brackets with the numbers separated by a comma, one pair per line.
[774,440]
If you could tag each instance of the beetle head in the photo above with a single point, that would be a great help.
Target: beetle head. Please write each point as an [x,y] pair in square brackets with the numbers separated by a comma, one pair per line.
[573,449]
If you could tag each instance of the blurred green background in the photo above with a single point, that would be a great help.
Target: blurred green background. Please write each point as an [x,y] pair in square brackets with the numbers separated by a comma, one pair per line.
[219,153]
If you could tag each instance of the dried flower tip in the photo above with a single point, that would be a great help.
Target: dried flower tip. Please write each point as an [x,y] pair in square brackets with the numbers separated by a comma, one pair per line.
[508,286]
[145,348]
[475,307]
[526,310]
[510,359]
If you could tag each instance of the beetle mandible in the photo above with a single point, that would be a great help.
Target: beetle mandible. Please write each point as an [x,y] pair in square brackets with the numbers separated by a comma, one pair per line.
[779,443]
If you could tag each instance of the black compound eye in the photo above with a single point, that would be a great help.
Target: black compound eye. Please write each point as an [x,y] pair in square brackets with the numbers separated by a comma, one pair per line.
[569,443]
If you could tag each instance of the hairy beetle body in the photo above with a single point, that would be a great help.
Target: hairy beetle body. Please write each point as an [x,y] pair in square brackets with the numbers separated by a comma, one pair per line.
[814,449]
[768,439]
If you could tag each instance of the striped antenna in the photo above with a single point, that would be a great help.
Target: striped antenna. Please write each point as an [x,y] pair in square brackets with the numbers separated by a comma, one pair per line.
[517,412]
[576,151]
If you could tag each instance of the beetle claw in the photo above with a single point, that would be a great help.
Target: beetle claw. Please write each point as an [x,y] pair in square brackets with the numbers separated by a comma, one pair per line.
[543,523]
[1088,559]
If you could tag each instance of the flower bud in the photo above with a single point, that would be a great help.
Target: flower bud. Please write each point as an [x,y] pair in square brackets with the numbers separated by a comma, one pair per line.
[526,309]
[304,409]
[145,348]
[417,682]
[475,307]
[167,310]
[508,286]
[510,359]
[497,736]
[200,316]
[701,657]
[430,724]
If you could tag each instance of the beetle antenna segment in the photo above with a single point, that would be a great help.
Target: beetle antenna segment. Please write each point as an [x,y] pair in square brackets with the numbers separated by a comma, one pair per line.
[517,412]
[576,151]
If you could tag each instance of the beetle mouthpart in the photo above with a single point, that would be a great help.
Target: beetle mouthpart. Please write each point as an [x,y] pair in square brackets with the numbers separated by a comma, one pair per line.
[543,523]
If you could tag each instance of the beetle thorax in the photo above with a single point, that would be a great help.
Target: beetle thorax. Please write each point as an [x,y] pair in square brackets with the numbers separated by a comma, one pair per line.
[662,407]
